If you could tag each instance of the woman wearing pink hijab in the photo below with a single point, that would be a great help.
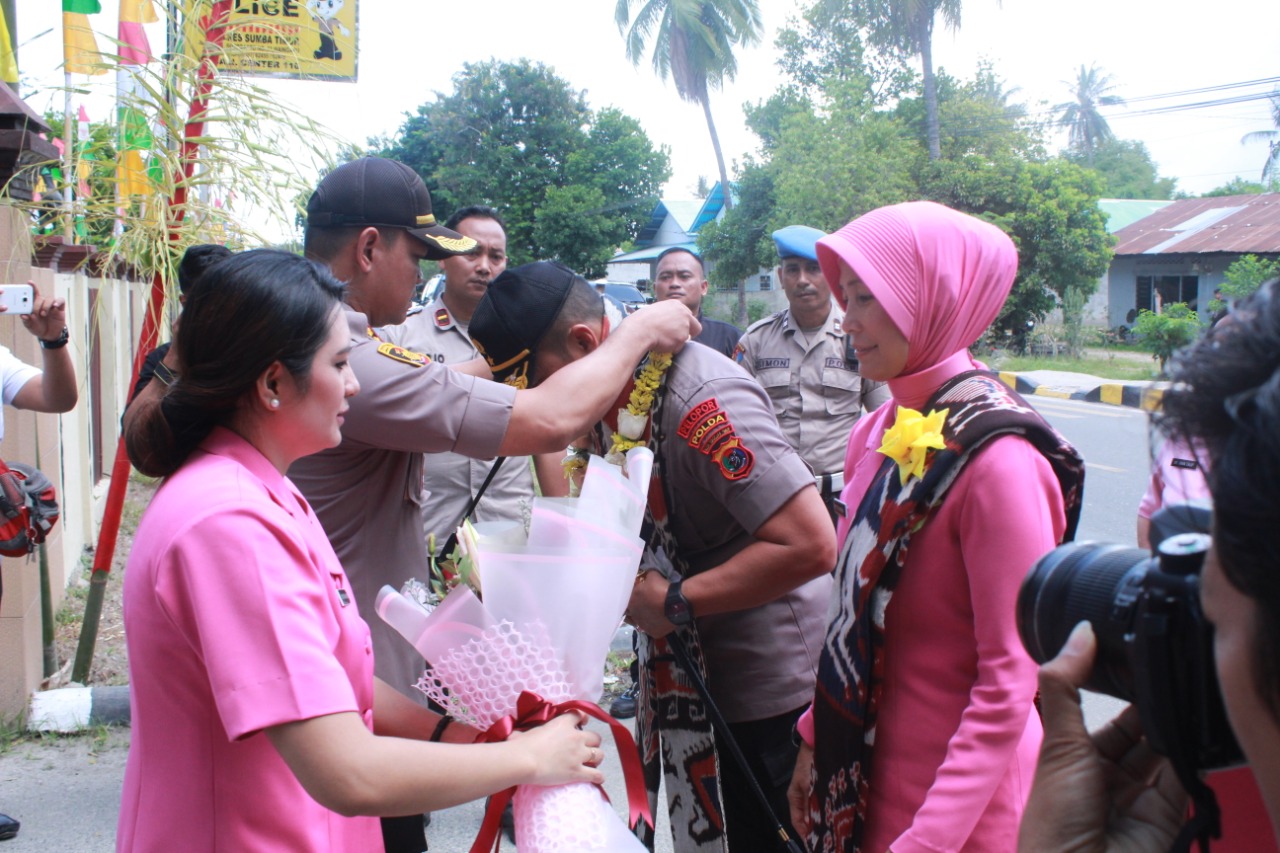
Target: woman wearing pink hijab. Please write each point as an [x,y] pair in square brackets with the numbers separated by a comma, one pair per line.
[923,734]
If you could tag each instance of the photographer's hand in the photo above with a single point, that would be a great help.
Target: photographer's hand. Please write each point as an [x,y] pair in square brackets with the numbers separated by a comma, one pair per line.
[1106,792]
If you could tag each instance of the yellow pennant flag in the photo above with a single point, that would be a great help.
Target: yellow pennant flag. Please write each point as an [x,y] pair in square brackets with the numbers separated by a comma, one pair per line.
[8,61]
[79,47]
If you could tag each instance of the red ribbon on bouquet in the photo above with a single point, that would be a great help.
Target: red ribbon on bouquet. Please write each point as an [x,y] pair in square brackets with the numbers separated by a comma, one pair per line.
[532,711]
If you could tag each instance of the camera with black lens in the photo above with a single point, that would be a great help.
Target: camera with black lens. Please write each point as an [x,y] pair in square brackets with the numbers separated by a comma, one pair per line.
[1155,647]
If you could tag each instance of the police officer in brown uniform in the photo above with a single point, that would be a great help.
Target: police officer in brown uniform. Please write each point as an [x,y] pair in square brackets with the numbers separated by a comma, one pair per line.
[740,537]
[370,221]
[801,357]
[439,331]
[681,275]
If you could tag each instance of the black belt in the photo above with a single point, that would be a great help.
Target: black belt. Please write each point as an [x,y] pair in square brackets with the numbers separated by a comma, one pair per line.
[830,484]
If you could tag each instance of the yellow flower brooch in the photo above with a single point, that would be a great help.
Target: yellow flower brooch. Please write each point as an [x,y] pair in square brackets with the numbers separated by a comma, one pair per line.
[910,439]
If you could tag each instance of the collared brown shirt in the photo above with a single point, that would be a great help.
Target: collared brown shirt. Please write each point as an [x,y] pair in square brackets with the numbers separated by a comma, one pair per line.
[815,388]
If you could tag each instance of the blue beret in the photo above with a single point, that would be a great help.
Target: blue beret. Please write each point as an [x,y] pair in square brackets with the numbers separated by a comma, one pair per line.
[797,241]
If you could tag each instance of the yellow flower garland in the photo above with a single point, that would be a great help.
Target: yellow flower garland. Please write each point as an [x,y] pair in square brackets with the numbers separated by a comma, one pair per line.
[641,400]
[910,439]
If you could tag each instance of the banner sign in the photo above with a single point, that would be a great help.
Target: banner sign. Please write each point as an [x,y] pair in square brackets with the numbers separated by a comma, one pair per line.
[307,39]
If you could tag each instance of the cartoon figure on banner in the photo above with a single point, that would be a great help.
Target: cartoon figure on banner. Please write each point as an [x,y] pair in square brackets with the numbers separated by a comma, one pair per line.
[325,13]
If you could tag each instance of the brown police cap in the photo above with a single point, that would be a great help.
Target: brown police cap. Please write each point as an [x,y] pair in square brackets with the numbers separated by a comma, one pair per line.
[383,193]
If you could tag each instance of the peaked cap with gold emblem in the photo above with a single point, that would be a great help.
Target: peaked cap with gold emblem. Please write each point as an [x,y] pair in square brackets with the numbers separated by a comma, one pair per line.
[383,193]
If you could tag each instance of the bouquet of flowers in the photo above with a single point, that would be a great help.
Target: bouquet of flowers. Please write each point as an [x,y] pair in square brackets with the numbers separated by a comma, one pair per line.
[536,645]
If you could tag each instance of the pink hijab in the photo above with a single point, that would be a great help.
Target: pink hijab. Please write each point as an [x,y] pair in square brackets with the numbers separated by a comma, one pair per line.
[941,275]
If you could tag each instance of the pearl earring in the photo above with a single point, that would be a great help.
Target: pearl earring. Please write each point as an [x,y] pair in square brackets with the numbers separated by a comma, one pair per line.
[275,403]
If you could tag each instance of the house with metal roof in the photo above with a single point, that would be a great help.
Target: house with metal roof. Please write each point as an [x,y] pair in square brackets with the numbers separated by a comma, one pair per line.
[1179,252]
[1120,213]
[674,224]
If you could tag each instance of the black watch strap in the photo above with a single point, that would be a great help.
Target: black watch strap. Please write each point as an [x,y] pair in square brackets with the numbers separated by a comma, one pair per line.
[677,608]
[58,342]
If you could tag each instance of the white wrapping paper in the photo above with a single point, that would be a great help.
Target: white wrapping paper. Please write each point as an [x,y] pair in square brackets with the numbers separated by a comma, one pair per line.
[552,603]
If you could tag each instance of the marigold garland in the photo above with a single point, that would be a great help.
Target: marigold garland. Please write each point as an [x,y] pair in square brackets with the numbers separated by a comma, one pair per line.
[641,402]
[574,465]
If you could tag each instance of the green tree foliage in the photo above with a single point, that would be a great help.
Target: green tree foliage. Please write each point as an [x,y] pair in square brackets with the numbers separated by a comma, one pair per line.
[834,151]
[1127,170]
[827,47]
[1246,274]
[1166,333]
[571,183]
[840,163]
[975,118]
[905,28]
[1087,129]
[1050,209]
[100,155]
[988,86]
[740,244]
[1240,186]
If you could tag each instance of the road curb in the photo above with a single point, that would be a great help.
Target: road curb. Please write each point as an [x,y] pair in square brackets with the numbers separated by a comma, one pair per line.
[1135,395]
[73,709]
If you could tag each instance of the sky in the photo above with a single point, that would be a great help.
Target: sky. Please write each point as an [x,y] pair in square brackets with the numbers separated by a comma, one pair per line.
[409,51]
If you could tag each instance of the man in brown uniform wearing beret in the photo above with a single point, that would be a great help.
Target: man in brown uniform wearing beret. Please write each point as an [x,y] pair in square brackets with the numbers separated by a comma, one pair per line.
[800,356]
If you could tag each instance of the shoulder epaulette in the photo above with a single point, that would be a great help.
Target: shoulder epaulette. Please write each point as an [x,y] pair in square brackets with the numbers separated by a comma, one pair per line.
[405,356]
[764,321]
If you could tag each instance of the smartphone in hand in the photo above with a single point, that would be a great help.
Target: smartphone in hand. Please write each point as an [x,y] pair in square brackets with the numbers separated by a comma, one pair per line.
[17,298]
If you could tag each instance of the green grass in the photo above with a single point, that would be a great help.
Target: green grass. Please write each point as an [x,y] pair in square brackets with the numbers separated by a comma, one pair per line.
[1102,366]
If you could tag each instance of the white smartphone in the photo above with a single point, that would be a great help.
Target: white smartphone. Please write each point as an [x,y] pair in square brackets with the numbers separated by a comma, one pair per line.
[17,298]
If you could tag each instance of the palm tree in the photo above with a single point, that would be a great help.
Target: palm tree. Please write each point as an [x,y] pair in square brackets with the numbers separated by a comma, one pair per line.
[992,89]
[1087,127]
[693,42]
[1271,168]
[906,27]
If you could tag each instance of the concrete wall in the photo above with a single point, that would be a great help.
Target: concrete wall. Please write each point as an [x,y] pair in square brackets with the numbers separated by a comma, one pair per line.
[75,450]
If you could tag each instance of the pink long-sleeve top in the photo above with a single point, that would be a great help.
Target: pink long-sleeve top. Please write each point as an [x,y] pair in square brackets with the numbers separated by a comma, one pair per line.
[957,734]
[239,618]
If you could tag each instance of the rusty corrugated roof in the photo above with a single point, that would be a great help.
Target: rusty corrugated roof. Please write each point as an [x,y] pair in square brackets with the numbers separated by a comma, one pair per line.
[1237,223]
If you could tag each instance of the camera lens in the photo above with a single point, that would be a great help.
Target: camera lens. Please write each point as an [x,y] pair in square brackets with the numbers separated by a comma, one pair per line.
[1088,580]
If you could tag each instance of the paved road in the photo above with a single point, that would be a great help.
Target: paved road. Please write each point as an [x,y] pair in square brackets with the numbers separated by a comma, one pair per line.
[66,792]
[1113,441]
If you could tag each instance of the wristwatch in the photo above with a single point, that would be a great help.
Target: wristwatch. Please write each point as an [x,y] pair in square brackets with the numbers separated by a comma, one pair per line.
[59,342]
[677,608]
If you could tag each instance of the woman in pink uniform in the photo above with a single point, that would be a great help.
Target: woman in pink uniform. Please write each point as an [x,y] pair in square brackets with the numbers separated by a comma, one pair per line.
[923,732]
[257,721]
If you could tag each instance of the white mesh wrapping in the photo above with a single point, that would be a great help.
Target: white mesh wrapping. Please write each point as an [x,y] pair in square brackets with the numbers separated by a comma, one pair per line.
[479,681]
[551,604]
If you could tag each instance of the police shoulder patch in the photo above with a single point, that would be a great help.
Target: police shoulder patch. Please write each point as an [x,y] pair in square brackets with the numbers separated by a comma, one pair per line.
[696,415]
[405,356]
[735,461]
